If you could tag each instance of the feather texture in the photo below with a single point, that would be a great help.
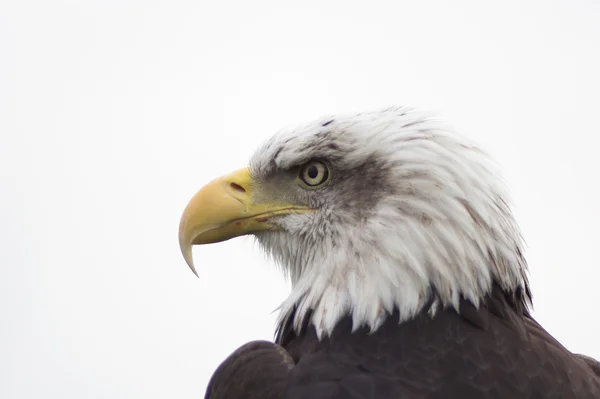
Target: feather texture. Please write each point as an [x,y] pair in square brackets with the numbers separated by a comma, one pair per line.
[413,211]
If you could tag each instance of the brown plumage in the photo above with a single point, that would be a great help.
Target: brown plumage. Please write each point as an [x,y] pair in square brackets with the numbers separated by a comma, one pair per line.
[497,351]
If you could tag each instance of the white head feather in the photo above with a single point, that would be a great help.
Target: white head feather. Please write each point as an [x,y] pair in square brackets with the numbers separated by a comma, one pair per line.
[413,213]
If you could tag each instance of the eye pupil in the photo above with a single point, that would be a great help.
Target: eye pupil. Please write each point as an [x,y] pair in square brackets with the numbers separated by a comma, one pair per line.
[313,172]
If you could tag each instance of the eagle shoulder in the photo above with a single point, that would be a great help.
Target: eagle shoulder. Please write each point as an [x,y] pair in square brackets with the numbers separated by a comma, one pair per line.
[258,369]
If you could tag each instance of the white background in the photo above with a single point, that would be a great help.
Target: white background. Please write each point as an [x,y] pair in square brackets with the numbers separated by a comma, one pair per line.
[113,113]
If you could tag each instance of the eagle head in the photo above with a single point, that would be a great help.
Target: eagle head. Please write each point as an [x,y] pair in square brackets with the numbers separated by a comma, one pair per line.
[368,214]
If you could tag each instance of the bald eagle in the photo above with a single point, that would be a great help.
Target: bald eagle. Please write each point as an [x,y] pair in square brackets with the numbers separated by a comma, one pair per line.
[406,263]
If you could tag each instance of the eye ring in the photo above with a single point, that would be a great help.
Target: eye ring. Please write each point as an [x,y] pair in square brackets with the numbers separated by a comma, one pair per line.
[314,174]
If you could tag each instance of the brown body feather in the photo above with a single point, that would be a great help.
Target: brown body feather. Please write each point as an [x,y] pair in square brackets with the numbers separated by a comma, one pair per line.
[497,351]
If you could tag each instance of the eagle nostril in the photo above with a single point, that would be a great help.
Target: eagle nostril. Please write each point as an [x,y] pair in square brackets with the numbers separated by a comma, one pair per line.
[237,187]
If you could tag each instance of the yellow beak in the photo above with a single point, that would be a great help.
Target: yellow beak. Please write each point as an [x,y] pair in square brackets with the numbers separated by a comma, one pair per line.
[226,208]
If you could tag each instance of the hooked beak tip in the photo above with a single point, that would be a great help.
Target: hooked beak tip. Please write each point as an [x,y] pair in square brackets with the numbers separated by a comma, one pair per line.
[189,258]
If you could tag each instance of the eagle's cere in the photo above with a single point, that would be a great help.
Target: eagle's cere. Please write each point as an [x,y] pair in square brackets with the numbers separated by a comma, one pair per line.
[406,262]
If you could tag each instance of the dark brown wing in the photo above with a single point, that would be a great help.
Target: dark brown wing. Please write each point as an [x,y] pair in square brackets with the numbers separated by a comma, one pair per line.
[493,352]
[258,370]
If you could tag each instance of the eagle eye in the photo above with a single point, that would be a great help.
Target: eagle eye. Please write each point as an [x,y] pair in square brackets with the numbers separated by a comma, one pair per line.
[314,174]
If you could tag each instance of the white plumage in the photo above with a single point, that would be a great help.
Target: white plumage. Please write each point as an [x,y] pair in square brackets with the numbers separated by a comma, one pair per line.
[415,213]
